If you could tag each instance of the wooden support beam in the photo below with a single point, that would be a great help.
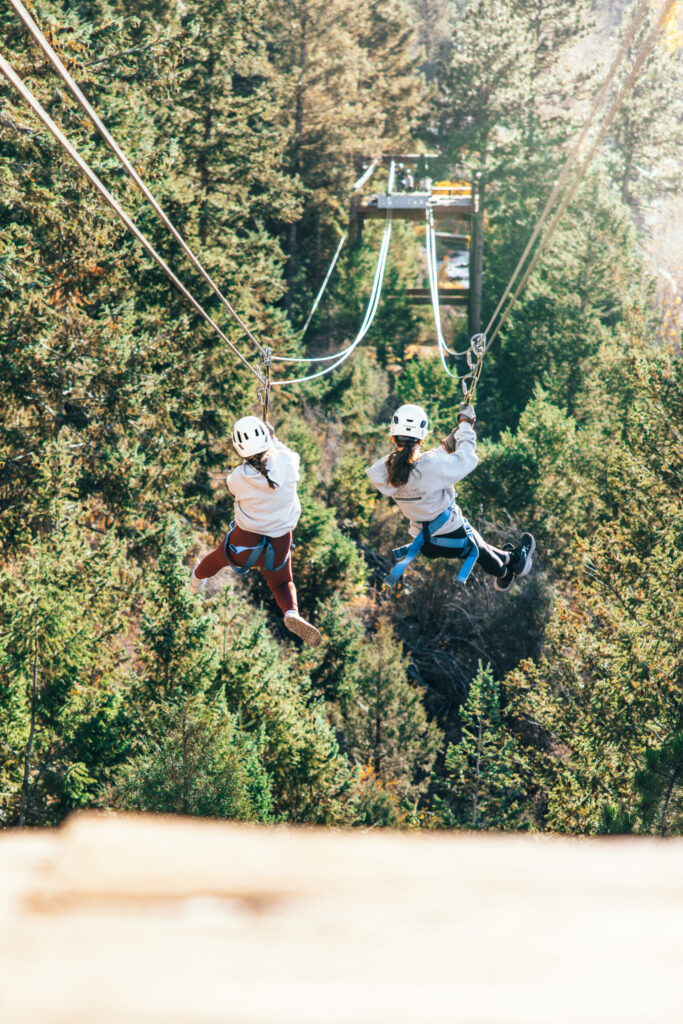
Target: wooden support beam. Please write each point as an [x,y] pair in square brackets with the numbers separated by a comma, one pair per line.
[447,296]
[134,920]
[442,208]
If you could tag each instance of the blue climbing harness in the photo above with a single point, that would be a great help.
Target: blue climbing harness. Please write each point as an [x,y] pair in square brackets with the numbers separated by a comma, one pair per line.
[466,547]
[264,544]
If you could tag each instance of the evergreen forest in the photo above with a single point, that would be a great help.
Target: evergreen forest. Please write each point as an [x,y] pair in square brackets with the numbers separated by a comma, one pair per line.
[556,706]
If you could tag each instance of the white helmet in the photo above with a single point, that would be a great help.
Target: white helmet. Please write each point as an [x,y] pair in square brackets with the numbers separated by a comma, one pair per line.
[250,436]
[409,421]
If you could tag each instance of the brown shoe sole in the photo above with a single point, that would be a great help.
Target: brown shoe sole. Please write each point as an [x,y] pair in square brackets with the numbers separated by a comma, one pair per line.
[308,633]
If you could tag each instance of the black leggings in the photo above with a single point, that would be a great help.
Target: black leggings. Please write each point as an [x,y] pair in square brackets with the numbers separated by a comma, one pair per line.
[492,560]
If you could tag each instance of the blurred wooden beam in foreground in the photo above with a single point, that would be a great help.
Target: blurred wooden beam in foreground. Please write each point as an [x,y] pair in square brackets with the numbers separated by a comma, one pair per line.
[118,920]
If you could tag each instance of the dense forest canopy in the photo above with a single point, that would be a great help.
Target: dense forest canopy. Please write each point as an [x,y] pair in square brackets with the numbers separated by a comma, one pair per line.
[557,705]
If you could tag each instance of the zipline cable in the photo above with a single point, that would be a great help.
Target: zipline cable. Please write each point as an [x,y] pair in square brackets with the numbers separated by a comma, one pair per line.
[373,304]
[323,286]
[624,91]
[434,290]
[297,359]
[300,334]
[569,162]
[57,64]
[366,175]
[322,359]
[626,87]
[56,132]
[432,277]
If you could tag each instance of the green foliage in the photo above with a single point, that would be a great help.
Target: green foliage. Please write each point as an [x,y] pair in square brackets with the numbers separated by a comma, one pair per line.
[424,383]
[386,727]
[484,767]
[200,763]
[117,686]
[177,653]
[333,666]
[647,129]
[63,721]
[606,694]
[354,496]
[272,697]
[325,561]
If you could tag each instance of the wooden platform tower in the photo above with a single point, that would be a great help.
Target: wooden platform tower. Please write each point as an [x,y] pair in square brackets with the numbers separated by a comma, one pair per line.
[458,219]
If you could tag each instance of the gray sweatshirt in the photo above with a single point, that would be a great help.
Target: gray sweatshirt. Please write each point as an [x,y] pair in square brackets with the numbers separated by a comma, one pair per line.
[258,507]
[429,490]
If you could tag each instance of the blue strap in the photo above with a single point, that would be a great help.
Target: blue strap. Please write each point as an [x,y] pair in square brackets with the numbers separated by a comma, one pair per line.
[410,551]
[467,545]
[252,559]
[269,560]
[470,553]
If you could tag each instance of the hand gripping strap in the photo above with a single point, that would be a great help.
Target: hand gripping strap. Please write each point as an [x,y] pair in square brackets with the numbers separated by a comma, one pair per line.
[467,545]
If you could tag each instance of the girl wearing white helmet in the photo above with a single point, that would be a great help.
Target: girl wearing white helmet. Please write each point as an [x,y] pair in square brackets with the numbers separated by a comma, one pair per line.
[421,484]
[267,509]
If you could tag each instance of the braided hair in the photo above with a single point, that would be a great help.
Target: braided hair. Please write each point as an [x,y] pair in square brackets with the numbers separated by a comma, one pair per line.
[259,462]
[401,462]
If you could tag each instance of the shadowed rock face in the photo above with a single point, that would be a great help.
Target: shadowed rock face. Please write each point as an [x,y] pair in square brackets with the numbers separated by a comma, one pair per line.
[126,919]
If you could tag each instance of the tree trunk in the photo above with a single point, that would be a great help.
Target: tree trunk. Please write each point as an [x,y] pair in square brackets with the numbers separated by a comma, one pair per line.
[477,258]
[378,719]
[477,773]
[665,812]
[23,810]
[186,771]
[293,261]
[204,176]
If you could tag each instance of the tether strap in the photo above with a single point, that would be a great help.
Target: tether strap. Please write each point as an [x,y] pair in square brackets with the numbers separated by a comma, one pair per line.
[466,545]
[264,544]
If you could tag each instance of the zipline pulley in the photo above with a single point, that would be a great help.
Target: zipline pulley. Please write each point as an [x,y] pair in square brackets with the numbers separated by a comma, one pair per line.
[263,394]
[475,357]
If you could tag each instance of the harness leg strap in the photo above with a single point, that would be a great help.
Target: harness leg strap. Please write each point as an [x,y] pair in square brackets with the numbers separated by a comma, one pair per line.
[466,546]
[252,559]
[256,551]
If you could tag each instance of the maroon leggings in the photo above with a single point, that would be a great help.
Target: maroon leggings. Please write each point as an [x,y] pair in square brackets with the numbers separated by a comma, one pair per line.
[280,581]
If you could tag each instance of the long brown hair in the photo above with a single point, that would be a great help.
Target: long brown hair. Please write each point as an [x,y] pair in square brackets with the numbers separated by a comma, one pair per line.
[259,462]
[401,463]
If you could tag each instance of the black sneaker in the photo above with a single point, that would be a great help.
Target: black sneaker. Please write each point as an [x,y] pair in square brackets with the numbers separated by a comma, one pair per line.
[503,582]
[520,559]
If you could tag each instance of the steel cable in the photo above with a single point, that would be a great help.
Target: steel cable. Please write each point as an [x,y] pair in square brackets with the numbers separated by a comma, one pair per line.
[23,90]
[57,64]
[569,162]
[300,334]
[373,304]
[624,90]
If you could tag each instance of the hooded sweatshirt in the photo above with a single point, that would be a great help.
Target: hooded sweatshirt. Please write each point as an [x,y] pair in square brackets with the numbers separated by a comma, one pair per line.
[429,490]
[259,508]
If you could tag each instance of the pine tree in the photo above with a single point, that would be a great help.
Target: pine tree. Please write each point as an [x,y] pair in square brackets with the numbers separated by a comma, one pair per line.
[646,133]
[603,702]
[199,763]
[271,695]
[484,767]
[189,755]
[349,86]
[386,728]
[433,22]
[64,727]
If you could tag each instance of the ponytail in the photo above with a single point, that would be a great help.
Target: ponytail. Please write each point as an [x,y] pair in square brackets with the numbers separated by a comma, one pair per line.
[401,462]
[259,462]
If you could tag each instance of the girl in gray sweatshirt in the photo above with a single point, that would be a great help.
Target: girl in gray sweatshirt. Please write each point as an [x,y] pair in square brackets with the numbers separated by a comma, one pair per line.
[267,509]
[421,484]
